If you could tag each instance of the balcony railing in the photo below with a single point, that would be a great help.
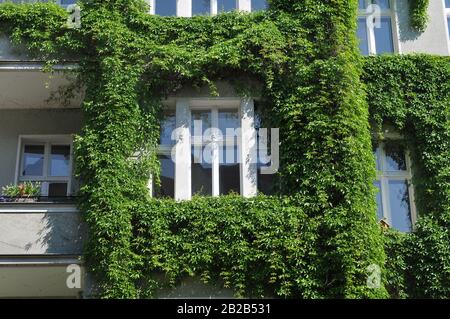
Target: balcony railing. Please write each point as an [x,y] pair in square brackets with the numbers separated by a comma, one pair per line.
[38,200]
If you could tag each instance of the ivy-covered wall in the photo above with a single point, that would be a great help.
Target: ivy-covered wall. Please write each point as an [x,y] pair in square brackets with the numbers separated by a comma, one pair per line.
[319,235]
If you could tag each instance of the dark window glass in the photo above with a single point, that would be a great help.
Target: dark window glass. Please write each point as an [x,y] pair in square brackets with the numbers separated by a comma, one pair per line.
[362,36]
[226,5]
[400,207]
[258,5]
[229,170]
[201,179]
[168,125]
[166,7]
[395,157]
[200,122]
[33,160]
[57,189]
[60,160]
[383,36]
[167,177]
[201,7]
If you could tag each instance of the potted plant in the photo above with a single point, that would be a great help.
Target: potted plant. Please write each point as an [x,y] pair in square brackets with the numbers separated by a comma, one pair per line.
[24,192]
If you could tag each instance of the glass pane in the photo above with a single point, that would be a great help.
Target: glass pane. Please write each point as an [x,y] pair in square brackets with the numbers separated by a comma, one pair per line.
[258,5]
[361,4]
[226,5]
[67,2]
[166,7]
[200,122]
[201,7]
[229,170]
[57,189]
[60,160]
[399,205]
[228,119]
[168,125]
[379,201]
[362,36]
[383,36]
[167,177]
[33,160]
[395,157]
[448,25]
[447,4]
[384,4]
[201,171]
[376,153]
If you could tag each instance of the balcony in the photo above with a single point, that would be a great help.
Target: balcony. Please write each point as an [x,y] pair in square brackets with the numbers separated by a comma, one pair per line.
[42,227]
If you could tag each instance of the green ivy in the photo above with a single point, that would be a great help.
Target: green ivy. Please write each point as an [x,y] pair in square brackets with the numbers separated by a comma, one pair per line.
[317,237]
[419,14]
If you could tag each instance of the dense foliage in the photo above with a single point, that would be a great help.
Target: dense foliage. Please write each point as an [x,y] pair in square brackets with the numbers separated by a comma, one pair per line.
[419,14]
[317,238]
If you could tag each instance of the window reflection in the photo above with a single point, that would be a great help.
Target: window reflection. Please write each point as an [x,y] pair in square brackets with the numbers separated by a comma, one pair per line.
[395,157]
[362,36]
[201,7]
[33,160]
[201,179]
[383,36]
[229,171]
[399,205]
[166,7]
[226,5]
[60,160]
[168,125]
[167,177]
[258,5]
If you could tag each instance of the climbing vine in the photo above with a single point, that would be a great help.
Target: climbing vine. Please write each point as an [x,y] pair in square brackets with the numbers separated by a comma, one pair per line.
[318,235]
[419,14]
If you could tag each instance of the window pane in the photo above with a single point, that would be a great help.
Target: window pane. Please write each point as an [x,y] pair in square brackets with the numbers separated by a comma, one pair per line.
[67,2]
[376,153]
[395,157]
[168,125]
[226,5]
[362,36]
[400,206]
[60,160]
[201,179]
[448,25]
[228,119]
[383,36]
[379,201]
[201,7]
[33,160]
[200,122]
[166,7]
[229,171]
[258,5]
[447,4]
[361,4]
[384,4]
[57,189]
[167,177]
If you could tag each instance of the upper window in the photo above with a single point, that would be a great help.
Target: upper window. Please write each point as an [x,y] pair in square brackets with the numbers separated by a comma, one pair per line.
[47,160]
[189,8]
[395,204]
[375,27]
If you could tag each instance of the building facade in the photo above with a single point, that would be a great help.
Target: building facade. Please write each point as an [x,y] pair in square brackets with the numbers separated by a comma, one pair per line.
[39,240]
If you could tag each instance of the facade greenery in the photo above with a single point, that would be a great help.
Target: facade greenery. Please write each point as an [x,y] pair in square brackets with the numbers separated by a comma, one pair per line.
[317,237]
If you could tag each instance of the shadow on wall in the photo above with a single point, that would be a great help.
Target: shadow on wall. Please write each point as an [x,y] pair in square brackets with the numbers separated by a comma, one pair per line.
[62,233]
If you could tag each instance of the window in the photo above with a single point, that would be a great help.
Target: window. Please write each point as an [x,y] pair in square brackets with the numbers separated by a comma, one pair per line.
[47,160]
[447,14]
[209,147]
[395,204]
[376,34]
[189,8]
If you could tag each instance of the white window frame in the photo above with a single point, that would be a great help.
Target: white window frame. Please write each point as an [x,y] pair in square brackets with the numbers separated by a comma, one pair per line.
[247,144]
[184,7]
[45,179]
[384,176]
[392,14]
[446,17]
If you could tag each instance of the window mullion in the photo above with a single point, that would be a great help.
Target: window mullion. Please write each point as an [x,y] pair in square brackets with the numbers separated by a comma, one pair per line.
[215,153]
[184,8]
[214,7]
[183,151]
